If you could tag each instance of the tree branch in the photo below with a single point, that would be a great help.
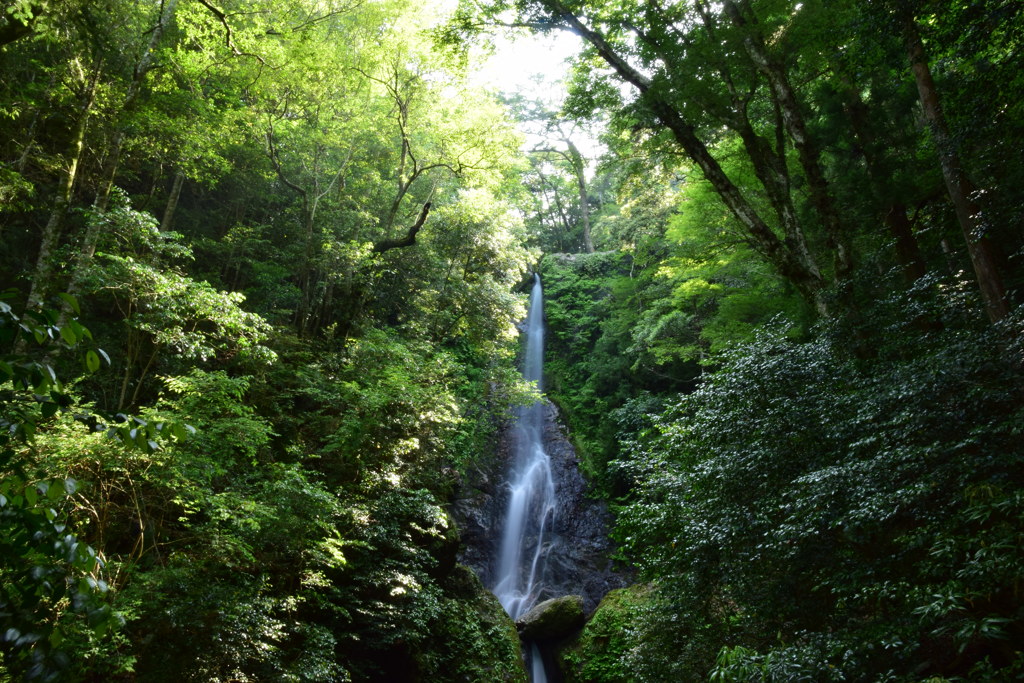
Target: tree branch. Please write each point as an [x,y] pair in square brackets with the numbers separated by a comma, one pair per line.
[312,20]
[410,236]
[275,160]
[228,35]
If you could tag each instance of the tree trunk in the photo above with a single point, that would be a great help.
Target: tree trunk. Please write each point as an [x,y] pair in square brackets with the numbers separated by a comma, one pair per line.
[172,202]
[91,237]
[581,185]
[796,127]
[894,212]
[562,234]
[980,248]
[790,260]
[769,164]
[42,279]
[907,251]
[142,68]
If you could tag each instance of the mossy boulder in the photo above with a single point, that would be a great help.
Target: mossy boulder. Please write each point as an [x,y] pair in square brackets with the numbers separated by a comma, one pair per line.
[552,619]
[598,654]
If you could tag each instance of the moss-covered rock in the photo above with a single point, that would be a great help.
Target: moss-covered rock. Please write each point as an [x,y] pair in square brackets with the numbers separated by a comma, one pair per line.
[552,619]
[476,640]
[598,654]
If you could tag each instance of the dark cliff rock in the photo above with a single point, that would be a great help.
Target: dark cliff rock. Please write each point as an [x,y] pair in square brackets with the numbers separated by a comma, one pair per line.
[477,514]
[578,559]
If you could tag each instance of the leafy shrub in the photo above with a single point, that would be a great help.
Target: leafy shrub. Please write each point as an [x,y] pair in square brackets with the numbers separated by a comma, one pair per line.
[242,596]
[826,516]
[53,584]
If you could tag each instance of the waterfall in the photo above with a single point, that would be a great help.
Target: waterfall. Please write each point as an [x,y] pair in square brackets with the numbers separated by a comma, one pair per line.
[531,507]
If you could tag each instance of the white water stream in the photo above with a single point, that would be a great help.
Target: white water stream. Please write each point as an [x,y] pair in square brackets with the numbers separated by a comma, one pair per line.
[531,506]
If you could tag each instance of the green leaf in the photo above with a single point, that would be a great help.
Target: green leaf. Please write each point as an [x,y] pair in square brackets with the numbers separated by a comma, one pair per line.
[54,492]
[69,335]
[81,331]
[56,637]
[71,301]
[48,409]
[178,430]
[92,361]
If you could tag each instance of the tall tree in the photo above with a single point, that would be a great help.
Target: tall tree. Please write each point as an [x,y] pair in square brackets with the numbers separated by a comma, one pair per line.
[672,57]
[42,279]
[958,185]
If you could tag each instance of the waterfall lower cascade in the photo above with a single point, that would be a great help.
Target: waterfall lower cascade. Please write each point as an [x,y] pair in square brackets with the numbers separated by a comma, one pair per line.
[530,515]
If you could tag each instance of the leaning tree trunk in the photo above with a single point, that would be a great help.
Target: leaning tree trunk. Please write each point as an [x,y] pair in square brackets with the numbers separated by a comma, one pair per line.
[793,120]
[796,265]
[979,246]
[142,68]
[42,278]
[172,202]
[91,238]
[579,170]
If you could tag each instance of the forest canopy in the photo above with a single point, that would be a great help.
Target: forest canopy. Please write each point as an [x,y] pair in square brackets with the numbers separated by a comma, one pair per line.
[261,266]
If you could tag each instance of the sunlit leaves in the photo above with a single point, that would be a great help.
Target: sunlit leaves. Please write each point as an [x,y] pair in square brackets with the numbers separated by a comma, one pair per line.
[51,579]
[260,518]
[189,317]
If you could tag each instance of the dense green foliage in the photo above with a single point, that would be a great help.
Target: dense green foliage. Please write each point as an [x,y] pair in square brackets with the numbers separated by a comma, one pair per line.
[831,518]
[291,228]
[260,262]
[794,359]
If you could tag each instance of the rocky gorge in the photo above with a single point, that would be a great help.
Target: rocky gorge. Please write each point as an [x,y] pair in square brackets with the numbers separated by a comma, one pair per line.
[577,556]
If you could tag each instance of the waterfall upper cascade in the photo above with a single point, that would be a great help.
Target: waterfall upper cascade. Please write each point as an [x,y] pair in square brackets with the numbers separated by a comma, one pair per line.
[531,505]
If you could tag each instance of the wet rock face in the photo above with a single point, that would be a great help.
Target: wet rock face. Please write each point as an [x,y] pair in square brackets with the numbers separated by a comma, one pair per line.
[477,513]
[577,561]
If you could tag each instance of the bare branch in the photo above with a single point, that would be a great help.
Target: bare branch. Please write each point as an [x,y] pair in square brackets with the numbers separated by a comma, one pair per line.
[275,160]
[228,35]
[410,236]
